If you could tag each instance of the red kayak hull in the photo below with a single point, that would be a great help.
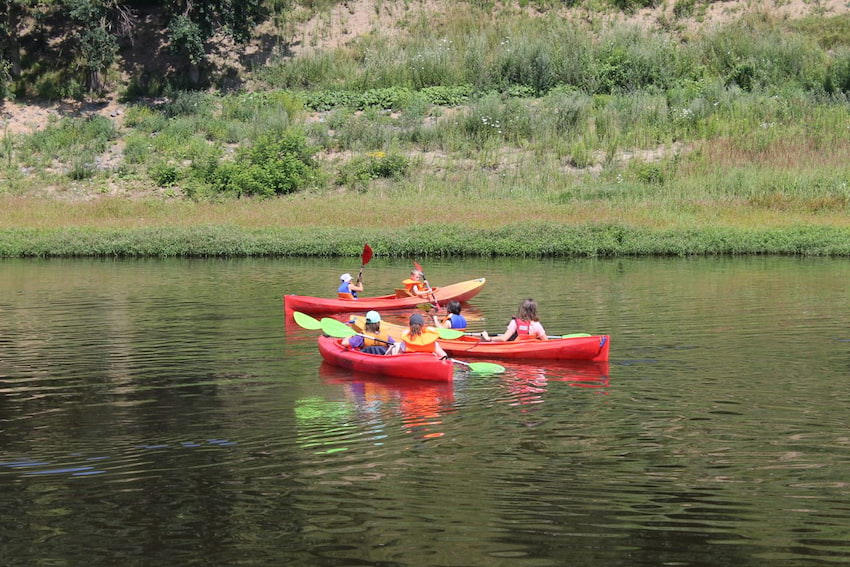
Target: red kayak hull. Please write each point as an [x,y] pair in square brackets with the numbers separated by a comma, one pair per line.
[414,366]
[461,291]
[594,348]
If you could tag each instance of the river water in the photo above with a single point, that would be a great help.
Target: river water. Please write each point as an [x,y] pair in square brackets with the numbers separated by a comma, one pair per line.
[160,412]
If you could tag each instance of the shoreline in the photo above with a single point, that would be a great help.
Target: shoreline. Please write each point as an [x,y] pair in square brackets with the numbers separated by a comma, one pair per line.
[431,240]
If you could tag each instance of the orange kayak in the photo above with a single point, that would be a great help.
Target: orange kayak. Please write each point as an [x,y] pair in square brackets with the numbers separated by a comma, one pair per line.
[461,291]
[413,365]
[594,348]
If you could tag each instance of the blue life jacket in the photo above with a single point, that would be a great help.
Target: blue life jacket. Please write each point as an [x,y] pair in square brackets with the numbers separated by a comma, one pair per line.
[458,321]
[344,287]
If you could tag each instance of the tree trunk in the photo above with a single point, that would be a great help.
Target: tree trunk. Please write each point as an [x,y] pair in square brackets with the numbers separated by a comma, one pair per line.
[12,45]
[194,74]
[95,81]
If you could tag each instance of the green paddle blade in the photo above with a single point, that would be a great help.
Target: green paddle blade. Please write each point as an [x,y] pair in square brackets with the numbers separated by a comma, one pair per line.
[306,321]
[425,306]
[336,329]
[449,333]
[574,335]
[481,367]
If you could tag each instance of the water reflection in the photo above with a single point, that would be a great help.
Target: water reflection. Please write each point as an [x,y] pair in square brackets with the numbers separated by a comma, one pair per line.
[419,405]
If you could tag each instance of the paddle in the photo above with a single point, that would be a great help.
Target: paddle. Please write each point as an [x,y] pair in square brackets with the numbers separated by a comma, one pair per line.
[340,330]
[454,334]
[306,322]
[364,259]
[450,333]
[427,285]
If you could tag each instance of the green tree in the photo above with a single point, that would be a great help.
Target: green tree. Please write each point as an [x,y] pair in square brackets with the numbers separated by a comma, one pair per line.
[98,23]
[193,22]
[12,13]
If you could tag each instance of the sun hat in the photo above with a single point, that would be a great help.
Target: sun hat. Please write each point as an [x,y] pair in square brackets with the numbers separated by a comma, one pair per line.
[346,277]
[417,319]
[373,317]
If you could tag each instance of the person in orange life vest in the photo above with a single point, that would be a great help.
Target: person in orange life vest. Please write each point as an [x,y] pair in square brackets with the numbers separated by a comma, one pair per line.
[348,290]
[377,341]
[419,338]
[453,320]
[524,326]
[415,286]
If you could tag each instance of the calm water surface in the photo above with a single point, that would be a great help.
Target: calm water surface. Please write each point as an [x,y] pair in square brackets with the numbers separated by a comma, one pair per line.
[163,412]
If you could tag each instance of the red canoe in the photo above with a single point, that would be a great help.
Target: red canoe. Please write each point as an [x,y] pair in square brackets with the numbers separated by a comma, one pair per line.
[594,348]
[414,365]
[462,291]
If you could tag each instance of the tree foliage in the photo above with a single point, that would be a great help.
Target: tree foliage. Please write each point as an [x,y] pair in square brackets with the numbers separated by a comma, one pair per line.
[191,23]
[80,40]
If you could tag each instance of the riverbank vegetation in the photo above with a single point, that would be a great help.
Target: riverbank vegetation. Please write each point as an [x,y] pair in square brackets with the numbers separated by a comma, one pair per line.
[482,128]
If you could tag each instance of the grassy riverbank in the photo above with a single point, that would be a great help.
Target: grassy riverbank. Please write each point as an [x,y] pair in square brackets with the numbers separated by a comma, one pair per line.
[469,131]
[534,239]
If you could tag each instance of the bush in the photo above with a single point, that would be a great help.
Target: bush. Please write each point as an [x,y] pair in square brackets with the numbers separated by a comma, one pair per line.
[447,96]
[838,76]
[189,103]
[70,137]
[389,98]
[164,174]
[273,165]
[376,165]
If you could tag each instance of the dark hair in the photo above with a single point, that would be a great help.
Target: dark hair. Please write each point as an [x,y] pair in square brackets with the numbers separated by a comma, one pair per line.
[453,307]
[373,327]
[528,310]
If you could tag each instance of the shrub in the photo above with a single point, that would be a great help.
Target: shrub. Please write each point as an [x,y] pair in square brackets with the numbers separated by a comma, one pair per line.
[164,174]
[145,118]
[189,103]
[137,149]
[838,76]
[447,96]
[375,165]
[273,165]
[70,137]
[389,98]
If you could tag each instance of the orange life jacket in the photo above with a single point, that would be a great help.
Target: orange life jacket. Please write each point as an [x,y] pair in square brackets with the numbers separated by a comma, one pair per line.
[369,339]
[409,285]
[424,342]
[341,295]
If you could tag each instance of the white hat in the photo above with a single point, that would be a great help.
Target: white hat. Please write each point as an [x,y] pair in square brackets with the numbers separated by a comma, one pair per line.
[346,277]
[373,317]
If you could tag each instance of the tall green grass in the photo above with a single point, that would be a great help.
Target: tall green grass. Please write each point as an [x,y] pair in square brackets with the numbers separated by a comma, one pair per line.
[526,239]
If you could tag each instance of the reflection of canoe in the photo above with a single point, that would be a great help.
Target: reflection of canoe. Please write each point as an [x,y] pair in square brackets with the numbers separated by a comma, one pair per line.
[370,388]
[593,348]
[461,291]
[417,366]
[420,404]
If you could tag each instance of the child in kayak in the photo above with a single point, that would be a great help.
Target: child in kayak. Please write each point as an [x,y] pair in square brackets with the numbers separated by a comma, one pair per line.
[419,338]
[453,320]
[524,326]
[415,286]
[348,290]
[376,343]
